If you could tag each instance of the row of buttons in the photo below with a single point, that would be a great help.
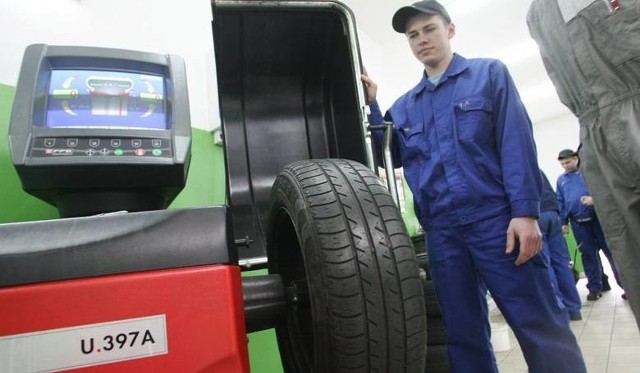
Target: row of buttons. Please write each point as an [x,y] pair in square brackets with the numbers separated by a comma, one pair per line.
[103,152]
[95,143]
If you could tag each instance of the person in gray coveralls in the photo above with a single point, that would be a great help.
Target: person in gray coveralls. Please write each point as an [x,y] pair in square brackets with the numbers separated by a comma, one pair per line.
[591,50]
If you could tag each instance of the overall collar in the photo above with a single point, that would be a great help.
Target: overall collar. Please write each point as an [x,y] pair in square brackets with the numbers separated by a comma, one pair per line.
[457,65]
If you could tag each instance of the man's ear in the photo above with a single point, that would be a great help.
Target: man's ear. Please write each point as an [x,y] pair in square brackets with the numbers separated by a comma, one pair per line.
[451,30]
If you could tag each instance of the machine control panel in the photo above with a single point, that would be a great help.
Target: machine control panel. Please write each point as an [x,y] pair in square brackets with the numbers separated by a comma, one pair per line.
[45,147]
[96,130]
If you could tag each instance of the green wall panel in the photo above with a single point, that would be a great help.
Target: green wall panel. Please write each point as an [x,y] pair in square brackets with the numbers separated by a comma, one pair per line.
[206,180]
[574,253]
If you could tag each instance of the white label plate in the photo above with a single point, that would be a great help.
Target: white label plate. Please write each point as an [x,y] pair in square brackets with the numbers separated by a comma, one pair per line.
[571,8]
[85,345]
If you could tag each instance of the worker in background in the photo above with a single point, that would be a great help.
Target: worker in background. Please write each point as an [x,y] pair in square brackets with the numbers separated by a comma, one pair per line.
[555,247]
[576,207]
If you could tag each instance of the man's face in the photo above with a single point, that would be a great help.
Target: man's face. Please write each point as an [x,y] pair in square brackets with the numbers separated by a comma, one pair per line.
[569,164]
[428,37]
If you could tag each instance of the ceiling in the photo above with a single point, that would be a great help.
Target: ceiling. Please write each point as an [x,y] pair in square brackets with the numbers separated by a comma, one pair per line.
[484,28]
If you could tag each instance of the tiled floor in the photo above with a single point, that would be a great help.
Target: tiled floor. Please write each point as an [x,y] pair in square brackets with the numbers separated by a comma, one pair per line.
[607,334]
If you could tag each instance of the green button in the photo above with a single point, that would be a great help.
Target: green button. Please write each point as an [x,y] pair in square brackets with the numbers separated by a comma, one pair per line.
[157,152]
[118,152]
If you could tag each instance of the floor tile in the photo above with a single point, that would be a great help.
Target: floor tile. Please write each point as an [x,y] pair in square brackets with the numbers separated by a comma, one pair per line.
[607,335]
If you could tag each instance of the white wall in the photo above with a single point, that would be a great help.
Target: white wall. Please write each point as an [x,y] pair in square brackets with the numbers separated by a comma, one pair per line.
[552,136]
[161,26]
[184,28]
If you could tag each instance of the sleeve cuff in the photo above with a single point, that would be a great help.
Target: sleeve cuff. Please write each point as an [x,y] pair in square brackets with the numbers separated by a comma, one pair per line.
[375,118]
[525,207]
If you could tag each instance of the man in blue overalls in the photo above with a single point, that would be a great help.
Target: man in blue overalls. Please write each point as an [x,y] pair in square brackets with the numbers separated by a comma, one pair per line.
[466,144]
[555,247]
[576,206]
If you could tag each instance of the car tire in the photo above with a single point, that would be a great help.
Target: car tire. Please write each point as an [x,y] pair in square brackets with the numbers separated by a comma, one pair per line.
[355,301]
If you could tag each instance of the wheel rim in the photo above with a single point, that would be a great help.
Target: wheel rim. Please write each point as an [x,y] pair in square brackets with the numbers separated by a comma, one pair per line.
[289,263]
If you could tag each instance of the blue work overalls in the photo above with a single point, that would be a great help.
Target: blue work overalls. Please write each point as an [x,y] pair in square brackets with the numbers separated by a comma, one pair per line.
[555,246]
[586,227]
[469,157]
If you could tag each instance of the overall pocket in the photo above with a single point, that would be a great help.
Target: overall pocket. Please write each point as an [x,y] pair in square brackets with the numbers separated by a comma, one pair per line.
[473,118]
[415,145]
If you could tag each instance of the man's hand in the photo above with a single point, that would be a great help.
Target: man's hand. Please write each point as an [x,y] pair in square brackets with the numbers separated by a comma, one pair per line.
[565,229]
[526,231]
[372,87]
[586,200]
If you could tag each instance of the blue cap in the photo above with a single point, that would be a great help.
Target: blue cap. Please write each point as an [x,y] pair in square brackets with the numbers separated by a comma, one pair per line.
[403,14]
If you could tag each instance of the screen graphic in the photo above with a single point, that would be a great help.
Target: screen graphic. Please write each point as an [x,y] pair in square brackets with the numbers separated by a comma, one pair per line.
[105,99]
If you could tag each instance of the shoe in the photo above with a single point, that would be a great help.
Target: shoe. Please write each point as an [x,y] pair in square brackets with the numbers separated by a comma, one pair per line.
[594,295]
[624,296]
[575,316]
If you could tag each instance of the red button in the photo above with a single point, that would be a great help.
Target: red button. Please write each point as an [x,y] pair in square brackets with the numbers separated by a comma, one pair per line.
[139,151]
[615,4]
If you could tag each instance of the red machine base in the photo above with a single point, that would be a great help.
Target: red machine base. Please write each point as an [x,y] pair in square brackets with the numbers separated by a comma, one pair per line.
[173,320]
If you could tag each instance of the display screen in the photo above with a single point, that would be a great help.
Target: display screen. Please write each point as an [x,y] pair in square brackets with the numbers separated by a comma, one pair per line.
[105,99]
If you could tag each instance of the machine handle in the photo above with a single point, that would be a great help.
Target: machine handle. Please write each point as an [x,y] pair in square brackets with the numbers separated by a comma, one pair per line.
[387,159]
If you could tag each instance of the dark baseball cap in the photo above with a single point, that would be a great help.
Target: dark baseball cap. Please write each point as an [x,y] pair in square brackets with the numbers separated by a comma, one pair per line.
[403,14]
[567,153]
